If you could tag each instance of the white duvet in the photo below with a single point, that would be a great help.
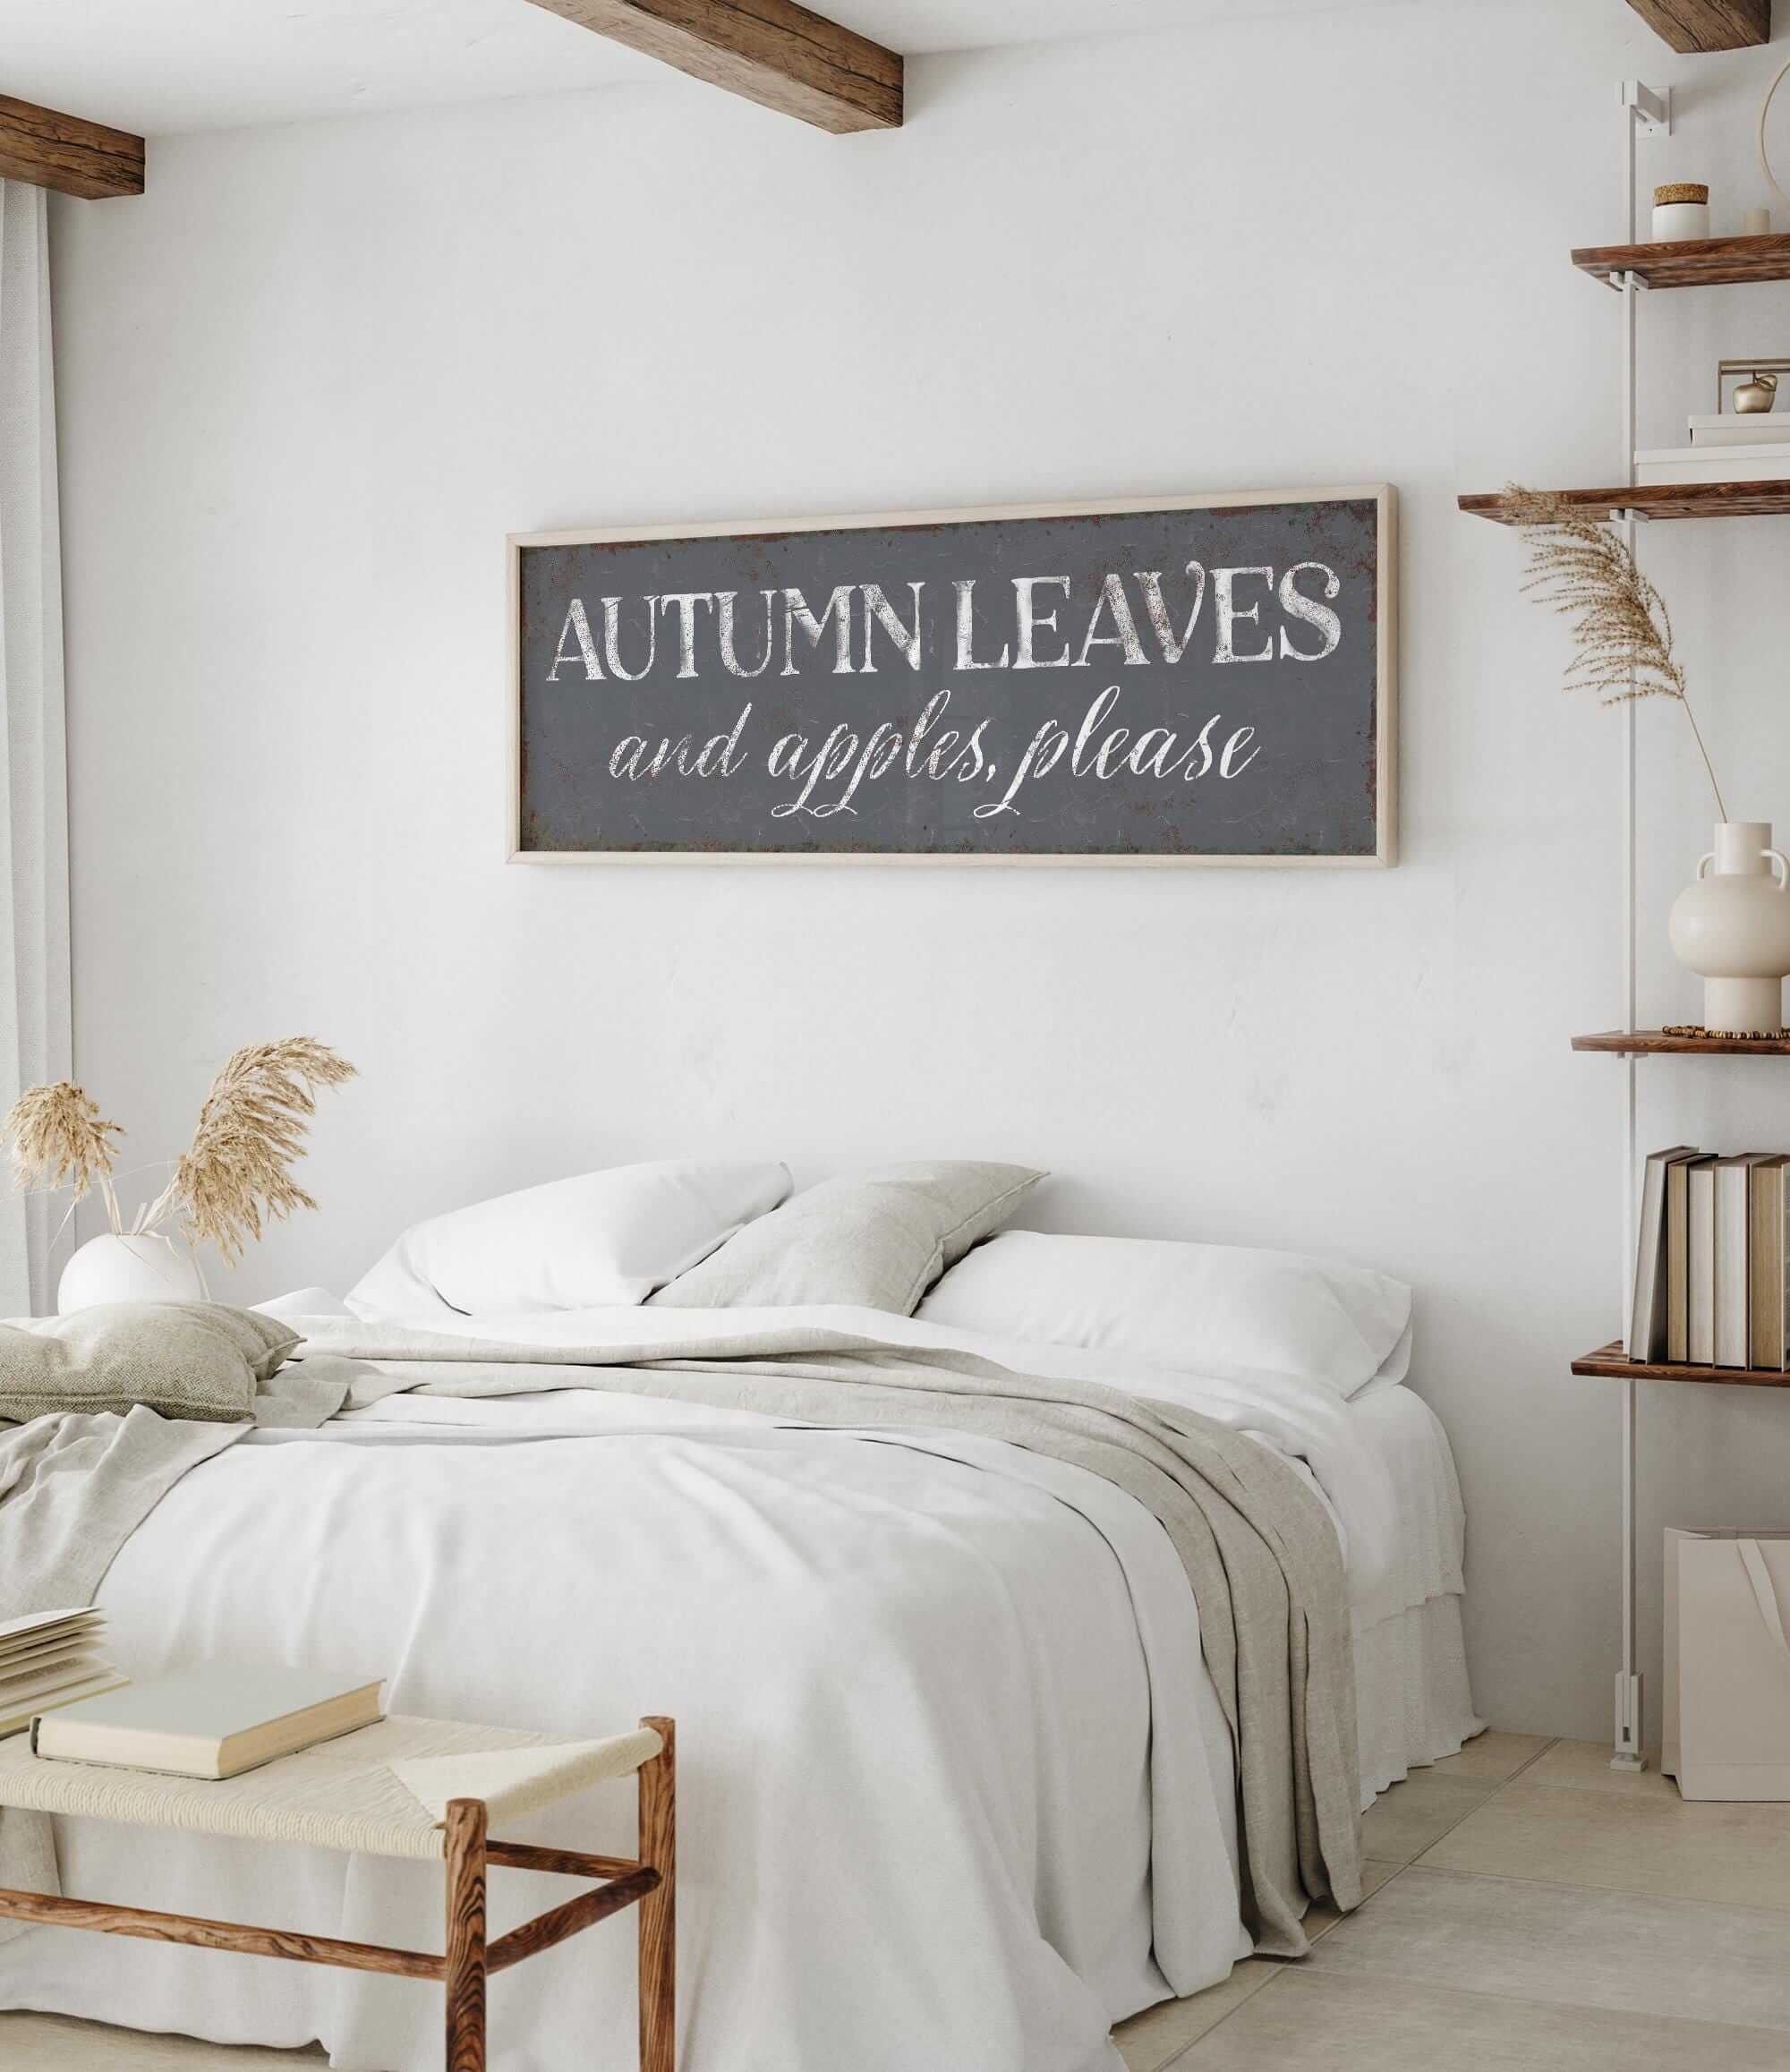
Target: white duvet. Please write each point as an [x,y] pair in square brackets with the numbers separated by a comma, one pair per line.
[955,1789]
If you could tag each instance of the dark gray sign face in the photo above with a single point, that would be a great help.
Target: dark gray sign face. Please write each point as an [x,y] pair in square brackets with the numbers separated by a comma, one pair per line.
[1184,683]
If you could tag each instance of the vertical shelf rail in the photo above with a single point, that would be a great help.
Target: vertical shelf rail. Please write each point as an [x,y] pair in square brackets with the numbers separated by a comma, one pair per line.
[1644,113]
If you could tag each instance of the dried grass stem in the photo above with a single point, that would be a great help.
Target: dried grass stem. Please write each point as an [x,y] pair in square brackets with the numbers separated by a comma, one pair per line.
[1621,631]
[235,1176]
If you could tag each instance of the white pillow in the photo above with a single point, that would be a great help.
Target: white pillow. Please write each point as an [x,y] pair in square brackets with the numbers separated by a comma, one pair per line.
[1194,1308]
[585,1244]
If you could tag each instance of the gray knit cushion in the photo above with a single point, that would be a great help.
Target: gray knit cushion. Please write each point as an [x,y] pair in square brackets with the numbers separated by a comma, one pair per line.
[876,1239]
[185,1360]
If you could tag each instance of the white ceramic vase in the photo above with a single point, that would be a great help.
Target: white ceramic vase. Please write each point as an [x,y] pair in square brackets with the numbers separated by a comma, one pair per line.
[1732,925]
[125,1269]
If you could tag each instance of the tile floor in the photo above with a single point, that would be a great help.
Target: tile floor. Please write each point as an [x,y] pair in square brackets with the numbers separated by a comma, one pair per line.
[1529,1912]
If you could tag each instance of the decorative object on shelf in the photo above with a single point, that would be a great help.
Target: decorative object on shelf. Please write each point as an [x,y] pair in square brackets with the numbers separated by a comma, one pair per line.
[1697,1030]
[1730,427]
[1733,927]
[1748,442]
[233,1177]
[1621,629]
[1756,222]
[1681,210]
[1757,394]
[1763,460]
[1764,152]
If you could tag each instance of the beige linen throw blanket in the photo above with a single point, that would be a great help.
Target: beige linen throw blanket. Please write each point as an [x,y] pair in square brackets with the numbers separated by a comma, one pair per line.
[73,1488]
[1260,1550]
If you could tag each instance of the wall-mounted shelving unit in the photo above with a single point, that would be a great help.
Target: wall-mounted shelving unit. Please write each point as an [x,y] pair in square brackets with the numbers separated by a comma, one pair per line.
[1702,263]
[1630,269]
[1654,500]
[1653,1043]
[1611,1363]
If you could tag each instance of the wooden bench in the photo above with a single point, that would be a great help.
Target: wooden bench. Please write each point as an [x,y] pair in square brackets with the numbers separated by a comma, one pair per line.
[425,1789]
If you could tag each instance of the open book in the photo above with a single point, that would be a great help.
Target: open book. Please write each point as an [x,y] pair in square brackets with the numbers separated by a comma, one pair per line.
[49,1659]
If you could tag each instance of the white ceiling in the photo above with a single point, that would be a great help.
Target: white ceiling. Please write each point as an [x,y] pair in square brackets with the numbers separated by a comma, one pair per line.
[160,66]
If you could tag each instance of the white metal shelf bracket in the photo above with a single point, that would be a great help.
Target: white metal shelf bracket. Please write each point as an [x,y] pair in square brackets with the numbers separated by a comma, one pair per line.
[1649,108]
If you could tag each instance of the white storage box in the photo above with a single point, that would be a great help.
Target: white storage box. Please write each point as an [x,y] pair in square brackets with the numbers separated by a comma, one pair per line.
[1727,1663]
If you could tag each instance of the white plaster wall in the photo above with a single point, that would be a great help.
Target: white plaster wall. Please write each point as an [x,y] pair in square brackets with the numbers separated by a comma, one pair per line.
[313,377]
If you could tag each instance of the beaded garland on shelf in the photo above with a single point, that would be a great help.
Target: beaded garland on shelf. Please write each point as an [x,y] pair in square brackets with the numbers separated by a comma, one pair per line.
[1693,1029]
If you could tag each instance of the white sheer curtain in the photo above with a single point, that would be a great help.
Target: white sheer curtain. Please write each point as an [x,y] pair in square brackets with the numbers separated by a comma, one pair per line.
[34,967]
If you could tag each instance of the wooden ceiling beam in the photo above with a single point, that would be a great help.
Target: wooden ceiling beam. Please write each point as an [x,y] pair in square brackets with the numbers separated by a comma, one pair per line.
[773,52]
[47,149]
[1693,25]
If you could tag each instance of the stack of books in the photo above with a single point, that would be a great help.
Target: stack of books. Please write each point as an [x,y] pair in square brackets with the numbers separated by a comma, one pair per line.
[1712,1271]
[1729,448]
[49,1659]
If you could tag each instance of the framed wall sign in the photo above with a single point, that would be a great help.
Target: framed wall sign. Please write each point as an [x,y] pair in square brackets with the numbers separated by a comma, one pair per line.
[1167,680]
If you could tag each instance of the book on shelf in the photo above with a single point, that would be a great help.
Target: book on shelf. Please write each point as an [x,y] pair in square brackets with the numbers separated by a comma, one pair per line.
[49,1659]
[1732,1274]
[1647,1321]
[212,1722]
[1700,1244]
[1768,1264]
[1766,461]
[1738,428]
[1678,1258]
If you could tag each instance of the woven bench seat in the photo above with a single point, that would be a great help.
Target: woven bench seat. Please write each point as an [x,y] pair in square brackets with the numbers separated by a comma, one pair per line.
[382,1791]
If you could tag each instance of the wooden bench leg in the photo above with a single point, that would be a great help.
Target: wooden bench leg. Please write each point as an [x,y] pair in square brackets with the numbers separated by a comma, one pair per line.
[659,1910]
[465,1967]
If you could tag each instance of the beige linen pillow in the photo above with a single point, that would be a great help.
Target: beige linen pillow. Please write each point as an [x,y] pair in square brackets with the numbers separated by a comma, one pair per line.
[877,1241]
[185,1360]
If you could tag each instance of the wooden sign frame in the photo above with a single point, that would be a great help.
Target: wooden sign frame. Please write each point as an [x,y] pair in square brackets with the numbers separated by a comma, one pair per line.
[1385,747]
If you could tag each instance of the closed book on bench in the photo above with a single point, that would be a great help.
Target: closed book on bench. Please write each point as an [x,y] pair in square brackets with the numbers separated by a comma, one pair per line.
[214,1722]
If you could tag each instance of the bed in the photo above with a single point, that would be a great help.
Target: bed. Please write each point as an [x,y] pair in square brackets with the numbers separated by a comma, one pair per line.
[957,1788]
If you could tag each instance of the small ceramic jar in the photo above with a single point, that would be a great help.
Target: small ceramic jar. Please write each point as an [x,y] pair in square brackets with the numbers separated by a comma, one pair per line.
[1681,210]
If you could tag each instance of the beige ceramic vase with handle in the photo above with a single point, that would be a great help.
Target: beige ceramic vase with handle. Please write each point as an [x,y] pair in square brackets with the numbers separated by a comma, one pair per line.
[1731,924]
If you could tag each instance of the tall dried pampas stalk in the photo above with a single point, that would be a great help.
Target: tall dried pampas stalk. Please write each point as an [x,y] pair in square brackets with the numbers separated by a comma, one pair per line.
[237,1174]
[59,1137]
[1621,629]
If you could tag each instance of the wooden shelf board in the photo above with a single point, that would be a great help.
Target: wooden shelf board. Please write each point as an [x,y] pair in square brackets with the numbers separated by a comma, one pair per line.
[1611,1363]
[1656,501]
[1643,1042]
[1698,263]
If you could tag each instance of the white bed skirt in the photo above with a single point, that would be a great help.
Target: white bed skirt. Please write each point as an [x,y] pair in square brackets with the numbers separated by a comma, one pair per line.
[1411,1693]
